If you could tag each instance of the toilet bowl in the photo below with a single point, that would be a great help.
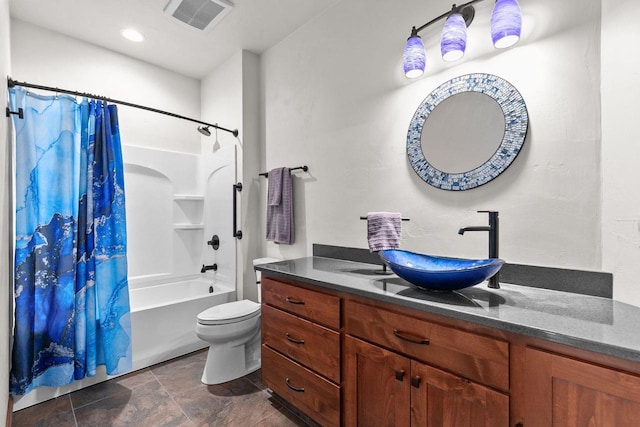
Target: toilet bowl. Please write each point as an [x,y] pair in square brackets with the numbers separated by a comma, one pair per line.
[233,333]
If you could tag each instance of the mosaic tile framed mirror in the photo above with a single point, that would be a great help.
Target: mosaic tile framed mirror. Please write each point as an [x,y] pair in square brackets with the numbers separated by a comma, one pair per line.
[467,131]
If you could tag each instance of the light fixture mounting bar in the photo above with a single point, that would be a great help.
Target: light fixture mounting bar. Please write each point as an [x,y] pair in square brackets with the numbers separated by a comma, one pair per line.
[468,17]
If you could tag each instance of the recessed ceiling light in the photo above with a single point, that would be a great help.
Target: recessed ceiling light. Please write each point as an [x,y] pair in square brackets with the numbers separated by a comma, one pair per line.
[132,34]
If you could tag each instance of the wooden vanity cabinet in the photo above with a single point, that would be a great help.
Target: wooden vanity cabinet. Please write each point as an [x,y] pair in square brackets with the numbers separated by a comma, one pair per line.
[408,372]
[562,391]
[383,388]
[301,340]
[473,356]
[348,360]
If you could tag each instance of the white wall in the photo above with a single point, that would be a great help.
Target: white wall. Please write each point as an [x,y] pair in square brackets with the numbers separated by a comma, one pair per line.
[51,59]
[251,166]
[621,147]
[230,96]
[335,98]
[6,283]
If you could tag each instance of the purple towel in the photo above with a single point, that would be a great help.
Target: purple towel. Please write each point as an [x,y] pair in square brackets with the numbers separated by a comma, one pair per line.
[274,192]
[383,230]
[280,225]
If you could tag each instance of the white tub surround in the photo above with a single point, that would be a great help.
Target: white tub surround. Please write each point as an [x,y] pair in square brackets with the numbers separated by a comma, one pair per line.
[162,317]
[176,203]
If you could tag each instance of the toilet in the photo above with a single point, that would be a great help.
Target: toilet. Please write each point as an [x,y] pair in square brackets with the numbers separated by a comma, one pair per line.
[233,333]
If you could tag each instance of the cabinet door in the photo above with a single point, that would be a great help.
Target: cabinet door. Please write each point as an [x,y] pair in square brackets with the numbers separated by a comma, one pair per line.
[376,386]
[566,392]
[441,399]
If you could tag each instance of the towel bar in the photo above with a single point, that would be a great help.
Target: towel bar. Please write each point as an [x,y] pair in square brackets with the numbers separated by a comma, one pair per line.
[303,168]
[404,219]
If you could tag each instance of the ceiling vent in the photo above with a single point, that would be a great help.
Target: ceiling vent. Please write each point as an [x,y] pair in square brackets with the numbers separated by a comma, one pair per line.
[199,14]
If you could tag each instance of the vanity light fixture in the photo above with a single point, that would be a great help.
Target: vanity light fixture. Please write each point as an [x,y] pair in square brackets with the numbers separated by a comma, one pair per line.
[454,37]
[506,23]
[414,58]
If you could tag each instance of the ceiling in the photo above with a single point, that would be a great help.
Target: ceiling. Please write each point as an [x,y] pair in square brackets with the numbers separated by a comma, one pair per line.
[253,25]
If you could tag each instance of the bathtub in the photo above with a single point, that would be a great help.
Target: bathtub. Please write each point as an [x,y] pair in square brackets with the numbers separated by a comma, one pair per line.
[163,316]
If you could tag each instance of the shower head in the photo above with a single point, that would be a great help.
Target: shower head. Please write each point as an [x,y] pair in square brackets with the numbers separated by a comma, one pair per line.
[204,130]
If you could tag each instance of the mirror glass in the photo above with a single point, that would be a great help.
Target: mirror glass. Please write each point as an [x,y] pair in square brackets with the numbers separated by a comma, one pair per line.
[467,132]
[474,135]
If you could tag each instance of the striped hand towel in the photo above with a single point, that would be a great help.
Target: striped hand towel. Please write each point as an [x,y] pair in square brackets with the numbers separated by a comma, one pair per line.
[383,230]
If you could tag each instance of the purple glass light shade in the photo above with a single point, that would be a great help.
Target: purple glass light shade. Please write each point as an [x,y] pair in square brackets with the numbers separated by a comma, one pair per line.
[506,23]
[414,57]
[454,38]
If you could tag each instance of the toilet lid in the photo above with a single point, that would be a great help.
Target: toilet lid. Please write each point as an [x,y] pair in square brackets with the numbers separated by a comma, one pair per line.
[229,312]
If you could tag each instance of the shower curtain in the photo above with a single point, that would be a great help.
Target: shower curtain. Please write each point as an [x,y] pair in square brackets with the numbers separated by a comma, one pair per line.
[71,291]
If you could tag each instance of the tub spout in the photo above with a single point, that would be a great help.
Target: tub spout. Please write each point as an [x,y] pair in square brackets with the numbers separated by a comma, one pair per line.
[206,268]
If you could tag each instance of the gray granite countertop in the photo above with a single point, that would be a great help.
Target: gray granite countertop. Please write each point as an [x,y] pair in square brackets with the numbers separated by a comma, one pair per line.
[591,323]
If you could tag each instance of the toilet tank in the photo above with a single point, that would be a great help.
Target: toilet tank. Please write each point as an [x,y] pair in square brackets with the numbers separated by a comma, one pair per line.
[259,261]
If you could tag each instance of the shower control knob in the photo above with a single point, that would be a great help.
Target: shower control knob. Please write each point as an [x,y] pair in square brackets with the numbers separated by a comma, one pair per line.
[214,242]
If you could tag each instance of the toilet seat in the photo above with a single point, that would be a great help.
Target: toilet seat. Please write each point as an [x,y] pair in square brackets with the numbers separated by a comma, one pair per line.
[231,312]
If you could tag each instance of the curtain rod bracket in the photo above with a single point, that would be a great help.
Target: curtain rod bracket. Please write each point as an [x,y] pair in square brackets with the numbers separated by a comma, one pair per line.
[19,113]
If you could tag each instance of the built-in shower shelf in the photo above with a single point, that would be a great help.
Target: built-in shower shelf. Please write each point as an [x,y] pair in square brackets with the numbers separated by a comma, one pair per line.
[188,226]
[194,197]
[187,211]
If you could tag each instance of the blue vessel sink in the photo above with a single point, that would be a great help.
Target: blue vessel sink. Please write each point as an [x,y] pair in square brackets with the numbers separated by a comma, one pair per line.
[439,273]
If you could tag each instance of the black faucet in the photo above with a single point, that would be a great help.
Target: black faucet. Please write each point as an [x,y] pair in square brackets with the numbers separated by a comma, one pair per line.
[493,229]
[206,268]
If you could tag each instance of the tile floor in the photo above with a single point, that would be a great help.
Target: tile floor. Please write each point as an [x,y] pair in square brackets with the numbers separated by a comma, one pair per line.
[167,394]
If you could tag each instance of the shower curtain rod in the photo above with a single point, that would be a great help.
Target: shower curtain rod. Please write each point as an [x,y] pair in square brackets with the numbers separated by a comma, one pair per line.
[11,83]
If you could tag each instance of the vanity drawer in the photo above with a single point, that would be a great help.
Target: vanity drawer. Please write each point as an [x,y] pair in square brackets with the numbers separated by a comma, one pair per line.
[472,356]
[314,346]
[316,306]
[307,391]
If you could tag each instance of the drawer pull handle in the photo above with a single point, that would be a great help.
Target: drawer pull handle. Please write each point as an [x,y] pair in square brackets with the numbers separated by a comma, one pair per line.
[293,340]
[298,389]
[293,301]
[400,375]
[415,381]
[422,341]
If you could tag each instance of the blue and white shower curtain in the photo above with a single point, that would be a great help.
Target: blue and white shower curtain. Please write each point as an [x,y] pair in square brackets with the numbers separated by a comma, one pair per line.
[71,292]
